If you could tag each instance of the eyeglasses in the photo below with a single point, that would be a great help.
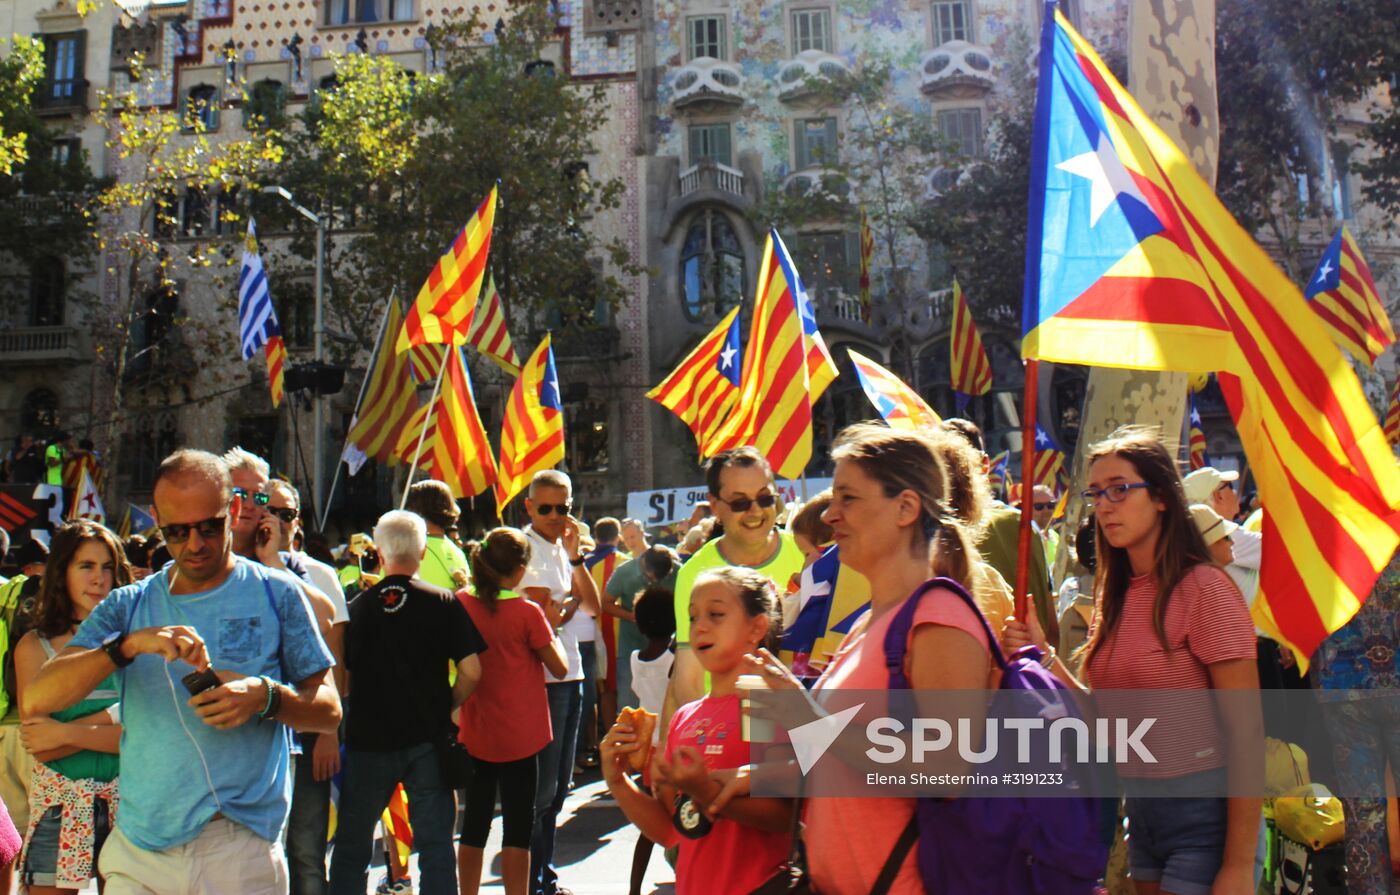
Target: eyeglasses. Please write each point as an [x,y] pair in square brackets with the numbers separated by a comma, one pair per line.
[1043,506]
[286,514]
[260,498]
[742,504]
[209,529]
[1225,486]
[544,509]
[1114,493]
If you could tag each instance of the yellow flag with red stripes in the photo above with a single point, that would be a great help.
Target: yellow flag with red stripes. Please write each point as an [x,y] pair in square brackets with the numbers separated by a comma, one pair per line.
[443,310]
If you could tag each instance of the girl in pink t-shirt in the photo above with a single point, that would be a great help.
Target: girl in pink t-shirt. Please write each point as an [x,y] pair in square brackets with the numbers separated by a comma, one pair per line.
[505,722]
[1168,618]
[733,611]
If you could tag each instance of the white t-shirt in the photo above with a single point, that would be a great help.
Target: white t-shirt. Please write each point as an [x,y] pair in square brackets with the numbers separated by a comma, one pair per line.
[324,578]
[649,681]
[549,568]
[1245,569]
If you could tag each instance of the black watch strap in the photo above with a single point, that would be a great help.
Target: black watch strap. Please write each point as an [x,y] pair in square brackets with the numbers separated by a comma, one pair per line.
[578,562]
[113,648]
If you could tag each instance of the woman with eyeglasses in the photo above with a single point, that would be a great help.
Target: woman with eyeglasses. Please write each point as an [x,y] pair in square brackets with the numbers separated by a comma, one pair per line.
[1167,617]
[73,791]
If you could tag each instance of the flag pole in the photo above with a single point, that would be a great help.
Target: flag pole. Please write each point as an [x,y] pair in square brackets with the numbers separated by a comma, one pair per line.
[427,421]
[364,386]
[1023,546]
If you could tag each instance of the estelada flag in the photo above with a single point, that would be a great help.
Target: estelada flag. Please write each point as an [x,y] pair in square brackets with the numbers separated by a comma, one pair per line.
[899,405]
[1196,435]
[1343,293]
[705,385]
[1132,261]
[532,433]
[443,310]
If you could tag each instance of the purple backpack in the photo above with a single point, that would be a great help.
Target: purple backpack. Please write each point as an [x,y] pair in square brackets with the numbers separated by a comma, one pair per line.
[1004,846]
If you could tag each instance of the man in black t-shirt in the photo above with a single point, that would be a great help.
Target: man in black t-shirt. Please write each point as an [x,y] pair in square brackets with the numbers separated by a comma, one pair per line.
[402,632]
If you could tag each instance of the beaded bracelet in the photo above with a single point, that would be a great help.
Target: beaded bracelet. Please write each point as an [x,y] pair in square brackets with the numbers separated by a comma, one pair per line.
[274,698]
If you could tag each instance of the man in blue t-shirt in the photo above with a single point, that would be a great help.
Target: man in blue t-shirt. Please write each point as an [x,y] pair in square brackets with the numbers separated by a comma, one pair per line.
[205,786]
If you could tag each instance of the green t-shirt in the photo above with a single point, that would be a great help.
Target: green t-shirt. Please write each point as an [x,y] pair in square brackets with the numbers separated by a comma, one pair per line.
[100,766]
[53,474]
[787,562]
[442,559]
[626,582]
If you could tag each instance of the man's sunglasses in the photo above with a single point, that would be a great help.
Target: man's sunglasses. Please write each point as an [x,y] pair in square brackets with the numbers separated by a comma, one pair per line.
[544,509]
[209,529]
[742,504]
[260,498]
[1041,507]
[286,514]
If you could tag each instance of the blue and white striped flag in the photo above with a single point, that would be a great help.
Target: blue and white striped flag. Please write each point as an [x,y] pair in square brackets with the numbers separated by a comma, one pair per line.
[257,322]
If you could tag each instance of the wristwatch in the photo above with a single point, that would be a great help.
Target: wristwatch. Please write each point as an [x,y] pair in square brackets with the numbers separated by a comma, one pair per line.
[578,561]
[112,646]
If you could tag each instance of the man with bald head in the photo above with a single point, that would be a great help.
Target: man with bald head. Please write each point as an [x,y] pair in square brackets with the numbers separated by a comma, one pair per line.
[205,777]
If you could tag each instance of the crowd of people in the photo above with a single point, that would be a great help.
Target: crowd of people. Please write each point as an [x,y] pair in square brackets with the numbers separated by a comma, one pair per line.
[179,709]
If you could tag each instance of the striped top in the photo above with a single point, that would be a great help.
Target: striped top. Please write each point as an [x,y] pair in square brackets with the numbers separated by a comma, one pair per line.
[1207,622]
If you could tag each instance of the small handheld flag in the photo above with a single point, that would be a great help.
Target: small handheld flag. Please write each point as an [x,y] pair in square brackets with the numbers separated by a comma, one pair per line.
[997,473]
[532,434]
[1343,293]
[87,503]
[867,255]
[1196,436]
[257,321]
[972,371]
[1048,460]
[899,405]
[490,331]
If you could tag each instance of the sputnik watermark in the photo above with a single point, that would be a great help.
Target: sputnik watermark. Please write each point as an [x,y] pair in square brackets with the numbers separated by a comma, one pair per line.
[1111,741]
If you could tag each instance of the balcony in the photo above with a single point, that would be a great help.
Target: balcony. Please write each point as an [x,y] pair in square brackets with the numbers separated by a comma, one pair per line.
[957,70]
[800,76]
[819,183]
[26,345]
[708,174]
[596,342]
[61,97]
[706,81]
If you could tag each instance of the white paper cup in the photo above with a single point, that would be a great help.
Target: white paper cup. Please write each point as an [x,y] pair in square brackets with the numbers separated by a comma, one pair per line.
[754,730]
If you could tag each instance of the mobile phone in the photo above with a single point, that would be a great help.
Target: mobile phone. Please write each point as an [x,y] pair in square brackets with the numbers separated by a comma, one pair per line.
[199,681]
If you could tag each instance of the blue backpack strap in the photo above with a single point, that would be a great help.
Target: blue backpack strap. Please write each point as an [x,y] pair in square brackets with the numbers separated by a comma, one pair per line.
[897,637]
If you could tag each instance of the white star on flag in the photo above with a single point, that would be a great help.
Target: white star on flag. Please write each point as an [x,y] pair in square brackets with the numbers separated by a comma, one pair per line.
[726,358]
[1107,176]
[1325,270]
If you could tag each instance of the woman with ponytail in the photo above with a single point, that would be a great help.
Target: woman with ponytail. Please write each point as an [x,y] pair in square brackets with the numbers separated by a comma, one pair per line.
[505,722]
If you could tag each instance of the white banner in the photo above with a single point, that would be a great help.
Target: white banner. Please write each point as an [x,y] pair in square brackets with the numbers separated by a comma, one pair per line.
[664,506]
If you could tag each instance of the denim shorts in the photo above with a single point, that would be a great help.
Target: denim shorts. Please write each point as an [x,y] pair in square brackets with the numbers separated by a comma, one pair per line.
[41,863]
[1178,842]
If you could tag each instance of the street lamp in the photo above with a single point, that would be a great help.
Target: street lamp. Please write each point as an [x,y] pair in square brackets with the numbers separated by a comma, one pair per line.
[321,222]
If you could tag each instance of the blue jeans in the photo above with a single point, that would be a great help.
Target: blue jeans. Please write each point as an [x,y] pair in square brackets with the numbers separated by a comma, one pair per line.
[370,778]
[556,775]
[587,738]
[307,826]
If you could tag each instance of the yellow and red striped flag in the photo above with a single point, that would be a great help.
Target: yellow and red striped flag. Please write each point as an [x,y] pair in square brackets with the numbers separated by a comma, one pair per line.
[490,331]
[395,818]
[444,308]
[786,368]
[972,372]
[455,449]
[1343,293]
[899,405]
[1392,416]
[1196,436]
[867,255]
[705,386]
[425,362]
[1132,261]
[532,434]
[1049,460]
[389,400]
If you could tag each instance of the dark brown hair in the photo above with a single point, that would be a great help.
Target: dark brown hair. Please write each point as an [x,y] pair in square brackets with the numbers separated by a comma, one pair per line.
[53,608]
[969,491]
[907,461]
[433,500]
[499,555]
[808,521]
[1179,545]
[757,594]
[741,457]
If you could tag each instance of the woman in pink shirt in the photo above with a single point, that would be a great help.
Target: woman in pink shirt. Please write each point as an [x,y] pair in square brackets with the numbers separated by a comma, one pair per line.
[505,722]
[1169,619]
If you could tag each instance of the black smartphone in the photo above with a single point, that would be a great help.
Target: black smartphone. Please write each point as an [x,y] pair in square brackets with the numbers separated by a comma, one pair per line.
[199,681]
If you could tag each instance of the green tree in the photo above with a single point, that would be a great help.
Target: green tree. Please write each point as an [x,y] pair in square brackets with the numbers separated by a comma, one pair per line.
[20,70]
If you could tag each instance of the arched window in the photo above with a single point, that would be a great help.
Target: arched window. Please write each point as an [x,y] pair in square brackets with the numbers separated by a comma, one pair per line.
[266,105]
[47,288]
[39,412]
[201,108]
[712,266]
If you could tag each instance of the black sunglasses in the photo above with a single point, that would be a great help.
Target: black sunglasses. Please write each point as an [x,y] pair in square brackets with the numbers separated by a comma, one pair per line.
[742,504]
[544,509]
[260,498]
[286,514]
[1043,506]
[209,529]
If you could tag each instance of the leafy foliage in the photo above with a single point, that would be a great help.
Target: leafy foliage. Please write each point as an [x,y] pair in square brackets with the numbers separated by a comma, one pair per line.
[19,71]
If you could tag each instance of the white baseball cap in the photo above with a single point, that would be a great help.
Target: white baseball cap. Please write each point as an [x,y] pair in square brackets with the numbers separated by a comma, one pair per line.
[1212,525]
[1202,483]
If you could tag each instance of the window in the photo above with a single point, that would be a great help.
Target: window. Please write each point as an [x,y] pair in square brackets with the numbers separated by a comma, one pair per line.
[712,266]
[710,141]
[951,22]
[67,151]
[363,12]
[154,438]
[226,212]
[705,37]
[46,291]
[63,83]
[194,213]
[38,413]
[962,129]
[266,105]
[829,263]
[201,111]
[811,30]
[588,435]
[1341,183]
[815,140]
[399,10]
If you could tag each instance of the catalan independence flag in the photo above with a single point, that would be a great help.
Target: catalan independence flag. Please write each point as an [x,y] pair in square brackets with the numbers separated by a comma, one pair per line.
[454,449]
[786,368]
[490,331]
[1133,262]
[972,372]
[899,405]
[1048,461]
[443,310]
[389,398]
[997,472]
[1195,436]
[257,321]
[1343,293]
[1392,416]
[532,434]
[705,385]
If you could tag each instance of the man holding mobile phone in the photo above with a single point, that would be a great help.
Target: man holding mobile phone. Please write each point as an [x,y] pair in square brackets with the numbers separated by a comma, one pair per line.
[204,777]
